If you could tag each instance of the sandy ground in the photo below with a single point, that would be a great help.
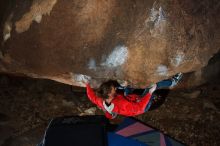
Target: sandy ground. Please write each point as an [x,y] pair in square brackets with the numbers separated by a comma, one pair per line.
[26,106]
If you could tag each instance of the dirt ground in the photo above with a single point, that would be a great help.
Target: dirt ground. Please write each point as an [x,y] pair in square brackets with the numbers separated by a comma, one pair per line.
[26,106]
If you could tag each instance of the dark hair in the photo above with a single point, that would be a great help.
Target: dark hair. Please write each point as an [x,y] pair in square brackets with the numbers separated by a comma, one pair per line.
[106,87]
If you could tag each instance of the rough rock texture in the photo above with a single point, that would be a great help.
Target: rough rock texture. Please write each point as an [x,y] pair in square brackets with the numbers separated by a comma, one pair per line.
[136,40]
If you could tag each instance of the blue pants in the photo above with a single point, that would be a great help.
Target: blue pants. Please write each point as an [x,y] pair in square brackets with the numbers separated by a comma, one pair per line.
[164,84]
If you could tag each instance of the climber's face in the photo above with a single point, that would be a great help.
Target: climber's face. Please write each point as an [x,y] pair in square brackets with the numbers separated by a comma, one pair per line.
[112,92]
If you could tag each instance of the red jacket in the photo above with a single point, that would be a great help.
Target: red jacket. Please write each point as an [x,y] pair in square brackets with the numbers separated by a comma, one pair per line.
[120,104]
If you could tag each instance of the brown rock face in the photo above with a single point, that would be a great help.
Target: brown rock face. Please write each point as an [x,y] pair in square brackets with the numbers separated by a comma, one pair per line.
[136,40]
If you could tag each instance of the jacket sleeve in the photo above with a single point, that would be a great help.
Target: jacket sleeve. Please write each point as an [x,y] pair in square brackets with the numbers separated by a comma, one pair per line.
[93,98]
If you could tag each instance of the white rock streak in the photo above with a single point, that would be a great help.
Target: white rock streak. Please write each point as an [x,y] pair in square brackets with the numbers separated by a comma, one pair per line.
[7,28]
[37,10]
[178,59]
[157,21]
[92,64]
[81,79]
[38,18]
[162,70]
[161,17]
[117,57]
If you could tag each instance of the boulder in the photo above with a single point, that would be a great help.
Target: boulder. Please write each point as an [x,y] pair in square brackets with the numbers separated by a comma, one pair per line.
[134,40]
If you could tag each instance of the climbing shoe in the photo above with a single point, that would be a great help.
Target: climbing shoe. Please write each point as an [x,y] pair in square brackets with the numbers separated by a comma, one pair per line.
[177,77]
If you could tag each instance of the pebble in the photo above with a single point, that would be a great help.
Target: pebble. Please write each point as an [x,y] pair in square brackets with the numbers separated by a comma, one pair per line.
[90,111]
[209,105]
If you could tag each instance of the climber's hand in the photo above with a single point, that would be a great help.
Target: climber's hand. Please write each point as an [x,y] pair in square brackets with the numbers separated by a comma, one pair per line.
[153,88]
[84,79]
[85,82]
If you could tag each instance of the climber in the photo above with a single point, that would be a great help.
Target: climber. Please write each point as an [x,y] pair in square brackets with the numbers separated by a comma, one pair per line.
[114,99]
